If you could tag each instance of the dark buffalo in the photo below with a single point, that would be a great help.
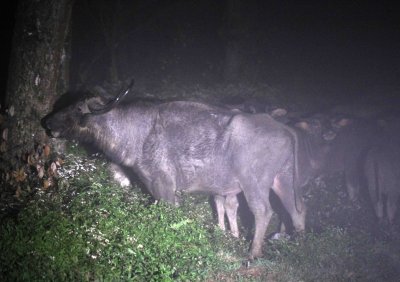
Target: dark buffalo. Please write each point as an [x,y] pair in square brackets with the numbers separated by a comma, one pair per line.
[312,151]
[353,138]
[314,147]
[176,147]
[382,171]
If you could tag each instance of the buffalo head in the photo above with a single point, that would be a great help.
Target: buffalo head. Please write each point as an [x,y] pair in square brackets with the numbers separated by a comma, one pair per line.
[71,121]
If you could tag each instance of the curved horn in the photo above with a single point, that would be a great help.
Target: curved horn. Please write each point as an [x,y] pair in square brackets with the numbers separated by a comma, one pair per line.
[107,107]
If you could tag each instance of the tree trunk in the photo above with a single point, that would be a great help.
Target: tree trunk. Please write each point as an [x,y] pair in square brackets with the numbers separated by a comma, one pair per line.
[234,33]
[37,71]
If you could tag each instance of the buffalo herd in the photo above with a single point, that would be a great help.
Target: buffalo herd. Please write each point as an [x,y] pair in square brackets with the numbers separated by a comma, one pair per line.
[186,146]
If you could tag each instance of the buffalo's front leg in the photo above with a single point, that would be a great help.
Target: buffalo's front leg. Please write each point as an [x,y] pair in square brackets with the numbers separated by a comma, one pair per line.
[231,207]
[219,206]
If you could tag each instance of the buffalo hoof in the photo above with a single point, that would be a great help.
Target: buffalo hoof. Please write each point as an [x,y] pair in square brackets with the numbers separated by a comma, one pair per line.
[254,255]
[280,236]
[247,263]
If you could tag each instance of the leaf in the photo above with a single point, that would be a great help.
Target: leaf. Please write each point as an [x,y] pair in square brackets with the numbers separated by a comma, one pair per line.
[40,171]
[3,147]
[4,135]
[52,170]
[11,111]
[180,224]
[19,175]
[18,192]
[46,150]
[31,160]
[59,162]
[47,183]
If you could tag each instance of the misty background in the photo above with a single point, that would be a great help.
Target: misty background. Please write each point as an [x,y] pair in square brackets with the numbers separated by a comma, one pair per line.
[336,50]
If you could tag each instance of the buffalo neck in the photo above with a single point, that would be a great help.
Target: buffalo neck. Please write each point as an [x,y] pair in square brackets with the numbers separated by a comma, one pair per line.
[121,132]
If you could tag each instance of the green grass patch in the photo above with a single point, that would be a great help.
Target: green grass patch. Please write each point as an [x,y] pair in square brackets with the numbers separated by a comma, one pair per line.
[90,229]
[334,255]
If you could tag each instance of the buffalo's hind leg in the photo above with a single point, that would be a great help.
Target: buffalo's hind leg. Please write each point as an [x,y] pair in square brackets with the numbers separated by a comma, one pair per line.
[231,207]
[258,202]
[391,208]
[228,204]
[291,200]
[352,179]
[220,207]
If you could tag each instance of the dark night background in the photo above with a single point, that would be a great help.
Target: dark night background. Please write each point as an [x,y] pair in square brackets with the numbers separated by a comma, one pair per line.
[344,50]
[7,15]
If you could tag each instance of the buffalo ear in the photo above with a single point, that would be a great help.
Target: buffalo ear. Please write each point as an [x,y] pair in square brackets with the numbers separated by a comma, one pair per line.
[303,125]
[278,112]
[94,103]
[343,122]
[83,108]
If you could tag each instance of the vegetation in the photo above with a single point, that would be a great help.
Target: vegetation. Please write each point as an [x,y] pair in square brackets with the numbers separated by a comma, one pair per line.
[90,228]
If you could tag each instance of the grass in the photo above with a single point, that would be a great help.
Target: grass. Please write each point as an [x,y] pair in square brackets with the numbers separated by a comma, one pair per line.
[91,229]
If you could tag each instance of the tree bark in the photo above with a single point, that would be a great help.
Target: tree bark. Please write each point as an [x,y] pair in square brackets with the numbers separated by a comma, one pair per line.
[37,71]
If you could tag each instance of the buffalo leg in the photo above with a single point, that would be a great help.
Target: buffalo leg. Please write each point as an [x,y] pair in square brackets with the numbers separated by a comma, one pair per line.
[352,179]
[391,170]
[231,207]
[378,207]
[292,202]
[261,208]
[228,204]
[391,208]
[374,181]
[219,206]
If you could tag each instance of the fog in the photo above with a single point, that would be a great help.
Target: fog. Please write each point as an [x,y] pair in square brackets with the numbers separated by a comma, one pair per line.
[342,51]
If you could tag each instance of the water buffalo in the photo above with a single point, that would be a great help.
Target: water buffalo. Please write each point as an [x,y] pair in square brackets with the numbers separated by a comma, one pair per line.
[382,171]
[353,138]
[229,205]
[183,146]
[313,148]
